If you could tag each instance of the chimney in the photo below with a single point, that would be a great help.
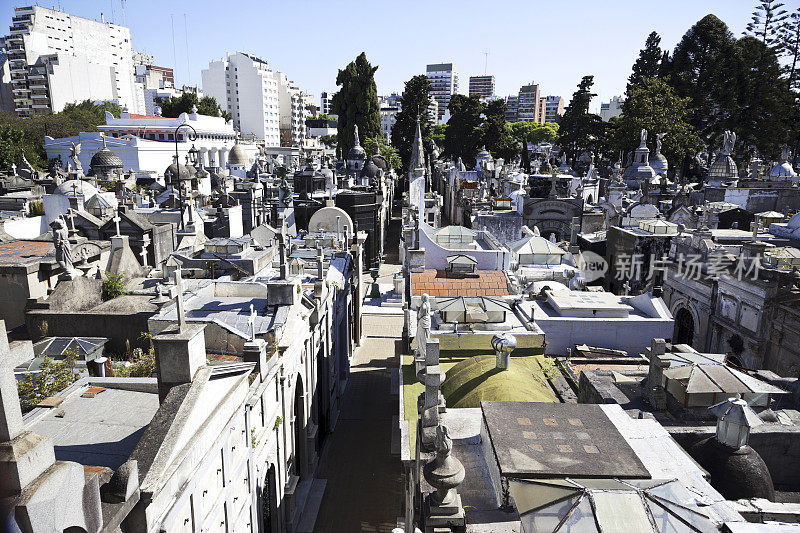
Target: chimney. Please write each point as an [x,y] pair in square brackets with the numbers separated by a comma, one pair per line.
[180,351]
[320,263]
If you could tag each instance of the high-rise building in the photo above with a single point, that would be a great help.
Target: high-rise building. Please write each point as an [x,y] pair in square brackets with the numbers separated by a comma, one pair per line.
[444,80]
[528,103]
[511,108]
[55,58]
[612,108]
[325,104]
[553,109]
[483,86]
[247,88]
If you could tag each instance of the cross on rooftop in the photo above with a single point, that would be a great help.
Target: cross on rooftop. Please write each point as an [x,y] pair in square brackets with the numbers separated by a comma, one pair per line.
[116,220]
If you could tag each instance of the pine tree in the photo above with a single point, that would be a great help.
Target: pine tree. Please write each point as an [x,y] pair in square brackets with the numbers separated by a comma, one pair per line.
[356,103]
[648,64]
[766,22]
[496,135]
[702,69]
[579,128]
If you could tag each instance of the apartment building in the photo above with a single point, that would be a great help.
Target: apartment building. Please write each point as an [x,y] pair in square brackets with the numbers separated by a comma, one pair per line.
[528,103]
[612,108]
[553,109]
[55,58]
[483,86]
[248,89]
[444,80]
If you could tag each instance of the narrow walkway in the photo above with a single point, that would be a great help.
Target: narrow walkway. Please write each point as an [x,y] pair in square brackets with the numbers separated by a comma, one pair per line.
[365,490]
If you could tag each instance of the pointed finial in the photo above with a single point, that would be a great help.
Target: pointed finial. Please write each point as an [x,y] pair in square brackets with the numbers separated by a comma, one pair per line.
[355,136]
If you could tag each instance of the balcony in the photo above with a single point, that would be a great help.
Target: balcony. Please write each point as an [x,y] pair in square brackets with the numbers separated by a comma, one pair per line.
[38,85]
[41,106]
[18,29]
[22,99]
[36,75]
[17,49]
[21,89]
[39,96]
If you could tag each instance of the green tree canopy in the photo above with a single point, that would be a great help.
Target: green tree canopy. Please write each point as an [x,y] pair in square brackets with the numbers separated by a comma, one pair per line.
[414,104]
[438,132]
[464,135]
[579,129]
[497,135]
[701,69]
[763,103]
[648,64]
[388,151]
[356,103]
[73,119]
[535,133]
[175,105]
[653,105]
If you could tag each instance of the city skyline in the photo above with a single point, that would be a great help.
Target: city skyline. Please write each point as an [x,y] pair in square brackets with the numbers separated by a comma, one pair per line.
[312,62]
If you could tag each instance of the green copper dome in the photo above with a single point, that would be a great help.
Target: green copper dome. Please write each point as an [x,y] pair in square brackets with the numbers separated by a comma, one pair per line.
[477,378]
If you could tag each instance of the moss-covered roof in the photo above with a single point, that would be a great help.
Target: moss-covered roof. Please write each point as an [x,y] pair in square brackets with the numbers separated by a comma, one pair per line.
[477,379]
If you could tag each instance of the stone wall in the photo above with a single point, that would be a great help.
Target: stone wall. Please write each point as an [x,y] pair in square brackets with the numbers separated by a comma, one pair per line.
[116,327]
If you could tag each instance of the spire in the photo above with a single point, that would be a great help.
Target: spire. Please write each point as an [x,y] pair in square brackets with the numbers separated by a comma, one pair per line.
[417,152]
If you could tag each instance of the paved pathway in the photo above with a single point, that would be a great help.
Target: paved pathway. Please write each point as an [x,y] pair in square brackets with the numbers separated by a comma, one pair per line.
[364,489]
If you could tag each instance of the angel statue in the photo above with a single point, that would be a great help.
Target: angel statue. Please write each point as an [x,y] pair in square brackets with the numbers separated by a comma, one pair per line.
[644,137]
[785,154]
[659,137]
[73,156]
[62,247]
[728,142]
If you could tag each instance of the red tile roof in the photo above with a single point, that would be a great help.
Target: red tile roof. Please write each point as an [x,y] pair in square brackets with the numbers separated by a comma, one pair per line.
[24,252]
[436,284]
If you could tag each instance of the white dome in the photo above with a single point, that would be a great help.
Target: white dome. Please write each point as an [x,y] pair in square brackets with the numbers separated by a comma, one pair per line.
[794,222]
[782,170]
[76,187]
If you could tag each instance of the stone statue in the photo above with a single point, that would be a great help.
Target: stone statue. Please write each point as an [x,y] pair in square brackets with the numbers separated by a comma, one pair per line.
[423,325]
[659,137]
[444,472]
[285,190]
[728,143]
[785,154]
[73,156]
[644,137]
[252,322]
[62,246]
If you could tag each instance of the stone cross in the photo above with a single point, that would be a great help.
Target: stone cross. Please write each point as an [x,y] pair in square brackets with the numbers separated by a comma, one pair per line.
[116,220]
[71,216]
[252,322]
[181,311]
[143,253]
[13,169]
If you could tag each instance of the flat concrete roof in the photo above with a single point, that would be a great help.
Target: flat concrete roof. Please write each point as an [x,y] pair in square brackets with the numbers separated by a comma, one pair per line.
[564,302]
[544,440]
[98,431]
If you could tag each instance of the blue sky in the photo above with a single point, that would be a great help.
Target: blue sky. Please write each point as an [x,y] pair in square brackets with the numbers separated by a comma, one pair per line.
[552,43]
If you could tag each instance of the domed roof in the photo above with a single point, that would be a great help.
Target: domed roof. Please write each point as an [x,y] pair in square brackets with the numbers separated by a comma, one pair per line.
[75,187]
[736,474]
[477,378]
[659,164]
[782,170]
[237,156]
[724,167]
[484,155]
[105,159]
[370,170]
[794,222]
[380,161]
[356,153]
[171,172]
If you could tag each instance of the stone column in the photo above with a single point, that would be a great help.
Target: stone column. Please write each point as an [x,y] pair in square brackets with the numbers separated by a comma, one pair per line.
[358,267]
[255,351]
[655,390]
[24,455]
[430,404]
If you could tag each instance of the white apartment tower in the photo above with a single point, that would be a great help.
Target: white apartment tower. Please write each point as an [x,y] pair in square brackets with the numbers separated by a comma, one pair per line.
[263,102]
[444,79]
[246,87]
[55,58]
